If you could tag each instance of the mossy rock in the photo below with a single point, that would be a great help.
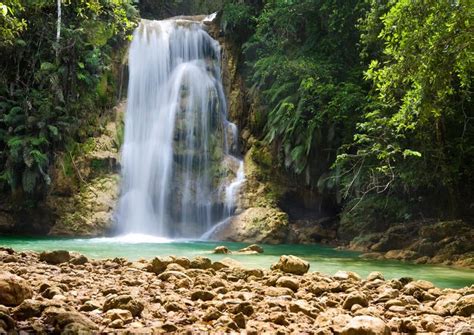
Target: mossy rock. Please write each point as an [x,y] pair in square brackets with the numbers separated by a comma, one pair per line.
[256,225]
[89,212]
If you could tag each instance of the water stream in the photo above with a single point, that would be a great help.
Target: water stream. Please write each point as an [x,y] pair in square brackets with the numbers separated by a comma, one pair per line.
[180,171]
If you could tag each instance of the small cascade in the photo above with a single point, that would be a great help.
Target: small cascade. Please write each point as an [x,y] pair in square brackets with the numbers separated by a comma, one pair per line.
[180,171]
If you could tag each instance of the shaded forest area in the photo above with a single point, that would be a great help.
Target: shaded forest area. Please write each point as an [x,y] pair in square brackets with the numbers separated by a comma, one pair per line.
[367,101]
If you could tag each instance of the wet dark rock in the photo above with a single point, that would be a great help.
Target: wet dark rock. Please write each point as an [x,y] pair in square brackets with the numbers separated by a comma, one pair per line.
[202,295]
[79,260]
[7,324]
[240,321]
[244,308]
[27,309]
[222,250]
[253,248]
[200,263]
[278,318]
[55,257]
[212,314]
[169,327]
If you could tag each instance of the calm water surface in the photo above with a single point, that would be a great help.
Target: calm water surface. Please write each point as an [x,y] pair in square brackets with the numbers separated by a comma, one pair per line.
[322,259]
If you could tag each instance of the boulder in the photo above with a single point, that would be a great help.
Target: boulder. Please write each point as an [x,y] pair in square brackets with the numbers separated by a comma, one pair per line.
[256,225]
[159,264]
[123,302]
[303,307]
[278,318]
[346,275]
[68,321]
[375,275]
[221,250]
[27,309]
[169,327]
[200,263]
[119,314]
[13,289]
[202,295]
[183,261]
[55,257]
[239,320]
[353,299]
[174,306]
[288,282]
[291,264]
[253,248]
[226,263]
[90,305]
[7,324]
[211,314]
[417,285]
[50,292]
[366,325]
[465,306]
[244,308]
[79,260]
[319,288]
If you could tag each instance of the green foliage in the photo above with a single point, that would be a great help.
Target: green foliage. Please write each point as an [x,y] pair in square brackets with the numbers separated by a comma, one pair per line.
[163,9]
[369,100]
[52,92]
[304,62]
[238,19]
[374,214]
[416,137]
[10,24]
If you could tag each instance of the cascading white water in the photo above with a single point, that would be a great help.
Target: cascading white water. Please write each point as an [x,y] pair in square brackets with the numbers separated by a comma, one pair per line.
[175,182]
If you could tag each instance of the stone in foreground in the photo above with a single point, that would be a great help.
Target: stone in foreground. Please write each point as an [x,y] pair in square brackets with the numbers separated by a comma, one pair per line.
[366,325]
[55,257]
[291,264]
[13,289]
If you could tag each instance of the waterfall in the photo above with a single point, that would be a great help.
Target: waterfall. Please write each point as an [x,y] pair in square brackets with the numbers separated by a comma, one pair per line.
[180,171]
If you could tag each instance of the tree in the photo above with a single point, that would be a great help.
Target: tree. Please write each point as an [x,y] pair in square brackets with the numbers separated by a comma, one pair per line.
[416,141]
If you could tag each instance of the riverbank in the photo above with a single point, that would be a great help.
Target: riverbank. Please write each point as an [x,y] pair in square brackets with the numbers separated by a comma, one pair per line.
[57,291]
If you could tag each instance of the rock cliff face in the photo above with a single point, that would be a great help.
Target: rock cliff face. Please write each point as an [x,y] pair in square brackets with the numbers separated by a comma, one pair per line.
[447,242]
[83,190]
[86,186]
[258,217]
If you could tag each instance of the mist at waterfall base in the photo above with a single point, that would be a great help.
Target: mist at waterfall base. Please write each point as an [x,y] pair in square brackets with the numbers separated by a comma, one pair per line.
[180,171]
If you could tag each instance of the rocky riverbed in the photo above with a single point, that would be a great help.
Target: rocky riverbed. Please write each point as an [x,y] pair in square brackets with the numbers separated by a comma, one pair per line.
[55,292]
